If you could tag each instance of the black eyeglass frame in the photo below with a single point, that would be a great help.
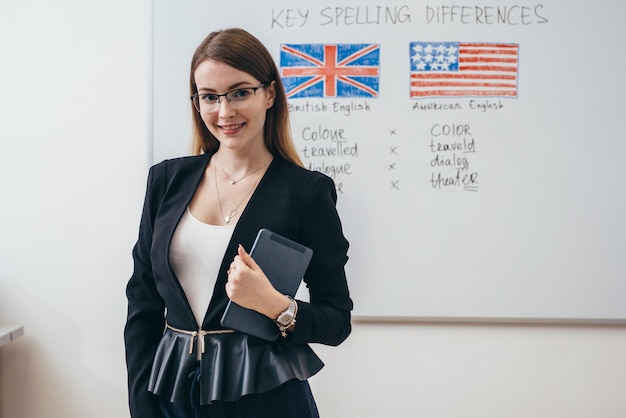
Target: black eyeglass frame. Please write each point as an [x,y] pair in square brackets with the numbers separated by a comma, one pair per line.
[195,99]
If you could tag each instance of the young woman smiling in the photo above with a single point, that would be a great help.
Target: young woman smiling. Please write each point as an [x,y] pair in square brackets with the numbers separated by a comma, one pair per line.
[200,215]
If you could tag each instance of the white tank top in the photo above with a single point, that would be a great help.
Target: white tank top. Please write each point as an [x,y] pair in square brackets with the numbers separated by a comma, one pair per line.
[196,254]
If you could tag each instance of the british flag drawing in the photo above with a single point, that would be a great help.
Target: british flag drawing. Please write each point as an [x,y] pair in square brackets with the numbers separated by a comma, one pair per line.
[453,69]
[330,70]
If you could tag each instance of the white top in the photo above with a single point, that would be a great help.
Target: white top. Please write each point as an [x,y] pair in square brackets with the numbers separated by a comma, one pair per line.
[196,254]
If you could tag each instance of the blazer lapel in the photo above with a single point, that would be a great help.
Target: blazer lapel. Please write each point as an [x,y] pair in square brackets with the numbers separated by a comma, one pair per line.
[245,232]
[182,179]
[181,188]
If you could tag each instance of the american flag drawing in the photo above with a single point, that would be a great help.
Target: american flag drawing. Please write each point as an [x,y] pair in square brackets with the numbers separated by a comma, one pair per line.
[453,69]
[330,70]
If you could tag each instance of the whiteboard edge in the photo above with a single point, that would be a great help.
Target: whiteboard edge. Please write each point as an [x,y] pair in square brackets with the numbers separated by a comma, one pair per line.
[363,319]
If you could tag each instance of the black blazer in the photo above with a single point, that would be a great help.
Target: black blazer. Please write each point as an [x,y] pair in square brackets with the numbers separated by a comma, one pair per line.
[289,200]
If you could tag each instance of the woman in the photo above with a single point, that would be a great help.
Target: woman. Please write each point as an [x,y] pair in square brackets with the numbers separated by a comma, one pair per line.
[200,215]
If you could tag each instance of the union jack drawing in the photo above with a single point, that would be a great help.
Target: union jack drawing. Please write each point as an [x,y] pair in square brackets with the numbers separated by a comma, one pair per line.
[330,70]
[453,69]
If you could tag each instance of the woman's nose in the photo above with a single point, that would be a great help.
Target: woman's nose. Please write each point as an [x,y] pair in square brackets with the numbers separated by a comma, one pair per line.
[226,108]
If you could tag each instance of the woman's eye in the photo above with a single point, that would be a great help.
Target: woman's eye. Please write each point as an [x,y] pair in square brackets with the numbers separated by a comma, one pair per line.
[209,97]
[240,94]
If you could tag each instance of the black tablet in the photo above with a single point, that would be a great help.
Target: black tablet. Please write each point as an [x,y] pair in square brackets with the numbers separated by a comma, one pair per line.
[284,262]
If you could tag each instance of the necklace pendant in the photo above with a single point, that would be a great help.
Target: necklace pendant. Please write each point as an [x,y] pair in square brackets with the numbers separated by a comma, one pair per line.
[233,182]
[227,219]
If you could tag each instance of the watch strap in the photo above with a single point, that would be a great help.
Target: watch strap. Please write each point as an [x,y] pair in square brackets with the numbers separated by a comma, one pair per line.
[291,311]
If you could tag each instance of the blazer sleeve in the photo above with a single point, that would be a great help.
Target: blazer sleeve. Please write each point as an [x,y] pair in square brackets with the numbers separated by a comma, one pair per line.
[145,320]
[326,319]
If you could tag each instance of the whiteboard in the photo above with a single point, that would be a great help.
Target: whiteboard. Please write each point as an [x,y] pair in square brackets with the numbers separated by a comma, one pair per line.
[459,204]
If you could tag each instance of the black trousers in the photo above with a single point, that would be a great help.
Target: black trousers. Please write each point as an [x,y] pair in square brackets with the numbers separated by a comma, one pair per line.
[292,399]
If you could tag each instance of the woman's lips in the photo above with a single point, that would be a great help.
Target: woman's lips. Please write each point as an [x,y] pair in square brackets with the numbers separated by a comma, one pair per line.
[231,128]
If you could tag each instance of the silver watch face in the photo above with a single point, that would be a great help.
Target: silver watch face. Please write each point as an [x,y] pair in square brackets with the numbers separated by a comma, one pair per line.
[285,319]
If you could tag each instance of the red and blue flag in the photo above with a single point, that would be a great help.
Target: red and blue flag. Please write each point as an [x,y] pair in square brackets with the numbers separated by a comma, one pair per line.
[330,70]
[454,69]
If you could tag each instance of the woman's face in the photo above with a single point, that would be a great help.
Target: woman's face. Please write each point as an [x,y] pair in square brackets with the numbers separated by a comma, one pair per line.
[236,124]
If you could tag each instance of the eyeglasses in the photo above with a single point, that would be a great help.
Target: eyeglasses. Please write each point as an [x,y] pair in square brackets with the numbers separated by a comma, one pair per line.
[210,102]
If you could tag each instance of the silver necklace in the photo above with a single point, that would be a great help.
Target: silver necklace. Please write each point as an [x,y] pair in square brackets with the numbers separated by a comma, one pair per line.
[233,212]
[233,181]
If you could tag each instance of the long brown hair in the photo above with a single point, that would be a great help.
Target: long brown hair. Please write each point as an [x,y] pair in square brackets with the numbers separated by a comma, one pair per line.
[239,49]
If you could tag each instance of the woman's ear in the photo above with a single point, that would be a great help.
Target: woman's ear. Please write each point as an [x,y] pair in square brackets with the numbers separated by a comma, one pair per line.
[271,94]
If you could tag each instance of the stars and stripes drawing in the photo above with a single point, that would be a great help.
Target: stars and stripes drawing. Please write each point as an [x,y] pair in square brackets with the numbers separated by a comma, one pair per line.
[456,69]
[330,70]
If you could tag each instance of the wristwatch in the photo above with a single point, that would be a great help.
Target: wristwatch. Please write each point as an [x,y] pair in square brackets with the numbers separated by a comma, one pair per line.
[287,318]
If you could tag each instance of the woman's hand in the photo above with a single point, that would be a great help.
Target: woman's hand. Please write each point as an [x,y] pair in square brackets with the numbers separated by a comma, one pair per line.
[249,287]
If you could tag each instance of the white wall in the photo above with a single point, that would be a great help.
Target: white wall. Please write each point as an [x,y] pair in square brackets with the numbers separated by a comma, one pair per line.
[75,110]
[74,142]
